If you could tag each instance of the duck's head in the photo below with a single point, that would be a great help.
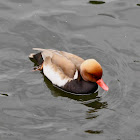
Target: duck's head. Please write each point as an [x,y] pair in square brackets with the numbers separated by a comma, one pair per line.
[92,71]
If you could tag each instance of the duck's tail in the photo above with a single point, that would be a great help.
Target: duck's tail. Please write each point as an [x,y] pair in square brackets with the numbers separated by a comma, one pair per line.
[37,58]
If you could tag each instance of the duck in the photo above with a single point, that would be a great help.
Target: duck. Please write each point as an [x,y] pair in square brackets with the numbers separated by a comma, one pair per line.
[68,71]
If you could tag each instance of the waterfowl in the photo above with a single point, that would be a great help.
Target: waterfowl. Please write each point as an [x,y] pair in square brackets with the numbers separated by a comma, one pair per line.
[70,72]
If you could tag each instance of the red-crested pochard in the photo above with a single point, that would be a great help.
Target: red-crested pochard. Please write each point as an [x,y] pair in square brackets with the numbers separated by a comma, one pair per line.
[70,72]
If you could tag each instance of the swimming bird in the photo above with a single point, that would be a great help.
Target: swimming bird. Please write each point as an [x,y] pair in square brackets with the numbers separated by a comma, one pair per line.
[69,72]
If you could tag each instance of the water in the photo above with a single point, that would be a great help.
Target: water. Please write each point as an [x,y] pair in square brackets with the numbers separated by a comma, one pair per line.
[31,108]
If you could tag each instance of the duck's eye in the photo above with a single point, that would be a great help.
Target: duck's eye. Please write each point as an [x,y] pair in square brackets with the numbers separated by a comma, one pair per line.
[95,77]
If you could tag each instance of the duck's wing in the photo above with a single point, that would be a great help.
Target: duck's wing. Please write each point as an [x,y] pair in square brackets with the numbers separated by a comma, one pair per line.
[55,73]
[44,52]
[60,61]
[76,60]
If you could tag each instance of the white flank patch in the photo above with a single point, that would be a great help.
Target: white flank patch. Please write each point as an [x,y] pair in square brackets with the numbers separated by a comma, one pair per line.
[76,75]
[53,76]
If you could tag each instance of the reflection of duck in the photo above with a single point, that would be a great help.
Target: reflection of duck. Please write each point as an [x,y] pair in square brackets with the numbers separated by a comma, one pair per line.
[90,100]
[70,72]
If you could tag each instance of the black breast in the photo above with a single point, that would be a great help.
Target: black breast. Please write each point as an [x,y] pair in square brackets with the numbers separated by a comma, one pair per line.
[80,87]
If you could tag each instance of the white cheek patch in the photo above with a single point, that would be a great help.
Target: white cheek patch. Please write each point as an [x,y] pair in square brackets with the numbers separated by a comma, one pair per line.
[54,76]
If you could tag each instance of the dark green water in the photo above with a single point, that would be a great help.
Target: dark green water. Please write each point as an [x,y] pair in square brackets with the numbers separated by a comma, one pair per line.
[31,108]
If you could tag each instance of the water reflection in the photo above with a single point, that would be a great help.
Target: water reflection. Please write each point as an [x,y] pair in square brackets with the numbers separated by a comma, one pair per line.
[96,2]
[94,132]
[107,15]
[92,100]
